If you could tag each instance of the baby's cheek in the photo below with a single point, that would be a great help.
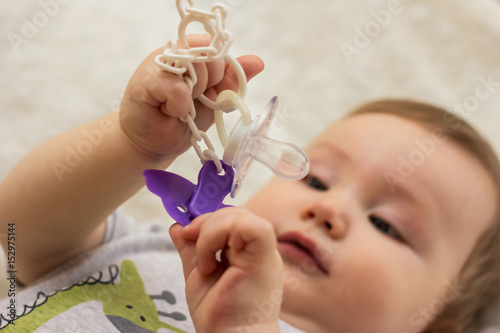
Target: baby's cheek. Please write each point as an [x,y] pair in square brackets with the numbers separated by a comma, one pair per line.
[367,283]
[374,288]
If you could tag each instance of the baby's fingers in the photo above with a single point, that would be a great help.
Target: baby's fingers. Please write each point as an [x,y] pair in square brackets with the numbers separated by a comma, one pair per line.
[205,251]
[213,236]
[251,64]
[208,75]
[248,241]
[255,237]
[185,247]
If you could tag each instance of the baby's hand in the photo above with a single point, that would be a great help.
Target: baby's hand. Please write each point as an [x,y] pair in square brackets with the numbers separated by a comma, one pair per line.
[155,100]
[243,291]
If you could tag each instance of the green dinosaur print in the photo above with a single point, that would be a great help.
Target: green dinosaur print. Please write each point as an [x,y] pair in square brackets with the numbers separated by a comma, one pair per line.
[125,304]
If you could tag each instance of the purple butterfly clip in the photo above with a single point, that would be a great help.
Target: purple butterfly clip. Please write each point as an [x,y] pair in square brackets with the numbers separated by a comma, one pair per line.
[184,200]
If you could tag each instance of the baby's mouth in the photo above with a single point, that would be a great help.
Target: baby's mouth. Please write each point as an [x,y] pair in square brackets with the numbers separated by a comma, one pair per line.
[300,248]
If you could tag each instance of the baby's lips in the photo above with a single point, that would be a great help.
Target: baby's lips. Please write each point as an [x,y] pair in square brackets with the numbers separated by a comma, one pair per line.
[314,249]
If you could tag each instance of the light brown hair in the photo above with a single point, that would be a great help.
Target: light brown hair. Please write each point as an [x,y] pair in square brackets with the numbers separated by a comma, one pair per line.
[480,272]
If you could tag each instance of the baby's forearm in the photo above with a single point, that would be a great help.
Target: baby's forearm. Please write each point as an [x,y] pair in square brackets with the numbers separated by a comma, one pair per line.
[59,195]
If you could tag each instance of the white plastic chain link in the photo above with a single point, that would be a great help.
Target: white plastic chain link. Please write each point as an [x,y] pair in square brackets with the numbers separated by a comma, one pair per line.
[180,61]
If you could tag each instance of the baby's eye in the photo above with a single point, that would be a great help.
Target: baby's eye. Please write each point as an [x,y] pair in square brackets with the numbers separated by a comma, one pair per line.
[384,227]
[315,183]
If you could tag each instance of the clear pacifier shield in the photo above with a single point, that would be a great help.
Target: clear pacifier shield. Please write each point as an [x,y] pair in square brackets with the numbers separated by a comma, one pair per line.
[251,142]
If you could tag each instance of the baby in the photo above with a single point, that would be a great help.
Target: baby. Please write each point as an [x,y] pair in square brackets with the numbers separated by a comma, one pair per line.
[394,229]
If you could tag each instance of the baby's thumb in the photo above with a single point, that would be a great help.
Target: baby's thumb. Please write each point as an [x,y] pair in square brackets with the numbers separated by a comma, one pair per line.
[186,249]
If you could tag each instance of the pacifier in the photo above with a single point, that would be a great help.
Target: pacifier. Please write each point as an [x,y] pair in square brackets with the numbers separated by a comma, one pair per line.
[248,141]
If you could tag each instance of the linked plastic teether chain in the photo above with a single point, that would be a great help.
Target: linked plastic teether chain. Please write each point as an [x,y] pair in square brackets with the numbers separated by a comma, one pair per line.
[182,199]
[180,61]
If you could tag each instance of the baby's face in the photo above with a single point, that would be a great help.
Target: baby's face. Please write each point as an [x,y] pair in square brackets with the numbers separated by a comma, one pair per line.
[375,236]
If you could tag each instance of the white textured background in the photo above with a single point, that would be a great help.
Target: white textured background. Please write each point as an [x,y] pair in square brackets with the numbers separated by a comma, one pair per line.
[75,65]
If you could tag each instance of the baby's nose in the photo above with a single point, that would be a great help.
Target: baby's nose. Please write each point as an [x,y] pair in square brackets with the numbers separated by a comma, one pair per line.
[324,214]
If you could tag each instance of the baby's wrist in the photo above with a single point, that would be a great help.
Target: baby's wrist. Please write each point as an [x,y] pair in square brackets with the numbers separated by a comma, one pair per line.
[134,152]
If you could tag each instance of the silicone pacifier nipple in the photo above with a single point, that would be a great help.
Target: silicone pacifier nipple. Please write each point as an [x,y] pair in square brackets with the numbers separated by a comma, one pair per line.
[247,142]
[284,159]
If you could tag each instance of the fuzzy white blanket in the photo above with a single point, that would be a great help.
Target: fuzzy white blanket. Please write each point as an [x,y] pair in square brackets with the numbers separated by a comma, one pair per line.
[66,62]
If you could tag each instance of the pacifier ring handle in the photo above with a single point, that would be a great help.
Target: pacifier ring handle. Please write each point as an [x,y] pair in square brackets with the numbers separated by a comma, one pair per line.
[236,101]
